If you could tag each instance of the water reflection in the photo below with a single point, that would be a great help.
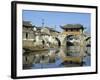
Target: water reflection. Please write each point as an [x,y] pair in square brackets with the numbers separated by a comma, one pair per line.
[51,58]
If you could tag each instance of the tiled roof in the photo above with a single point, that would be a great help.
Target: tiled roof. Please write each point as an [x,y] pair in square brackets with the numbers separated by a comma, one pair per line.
[27,23]
[72,26]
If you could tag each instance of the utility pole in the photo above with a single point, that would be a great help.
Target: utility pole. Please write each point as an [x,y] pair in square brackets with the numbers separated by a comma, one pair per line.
[42,22]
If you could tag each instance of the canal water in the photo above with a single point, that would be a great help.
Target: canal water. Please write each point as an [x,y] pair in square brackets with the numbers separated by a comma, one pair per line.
[50,59]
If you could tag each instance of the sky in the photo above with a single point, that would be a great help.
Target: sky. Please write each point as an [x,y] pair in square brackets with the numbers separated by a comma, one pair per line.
[55,19]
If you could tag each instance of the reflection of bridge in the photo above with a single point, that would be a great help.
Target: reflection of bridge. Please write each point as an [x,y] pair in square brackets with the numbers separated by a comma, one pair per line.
[65,58]
[48,59]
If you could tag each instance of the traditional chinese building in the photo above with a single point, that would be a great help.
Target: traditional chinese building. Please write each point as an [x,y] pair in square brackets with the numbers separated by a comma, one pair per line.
[73,29]
[73,40]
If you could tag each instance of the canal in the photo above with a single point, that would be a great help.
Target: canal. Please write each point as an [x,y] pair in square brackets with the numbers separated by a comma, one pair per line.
[50,58]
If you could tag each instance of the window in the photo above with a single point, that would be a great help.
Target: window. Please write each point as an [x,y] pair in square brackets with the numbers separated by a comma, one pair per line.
[26,35]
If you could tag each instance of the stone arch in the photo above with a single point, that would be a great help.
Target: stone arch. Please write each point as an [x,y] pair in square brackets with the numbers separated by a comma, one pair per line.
[66,40]
[59,42]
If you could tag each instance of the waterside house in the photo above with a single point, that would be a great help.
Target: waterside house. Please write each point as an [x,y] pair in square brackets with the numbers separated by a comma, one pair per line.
[38,38]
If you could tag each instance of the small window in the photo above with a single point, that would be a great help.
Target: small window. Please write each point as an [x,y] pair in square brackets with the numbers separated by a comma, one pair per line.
[26,35]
